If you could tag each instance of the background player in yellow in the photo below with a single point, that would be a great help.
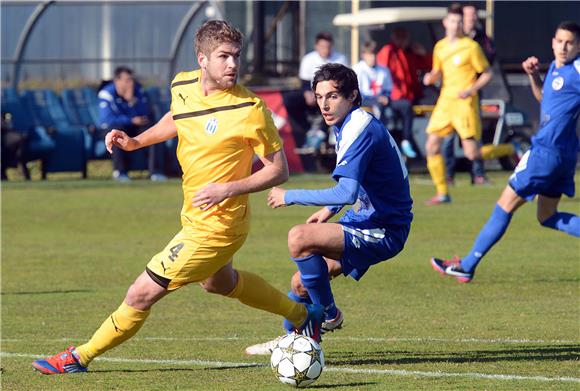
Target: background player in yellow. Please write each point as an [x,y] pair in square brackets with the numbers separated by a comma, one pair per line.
[220,126]
[459,60]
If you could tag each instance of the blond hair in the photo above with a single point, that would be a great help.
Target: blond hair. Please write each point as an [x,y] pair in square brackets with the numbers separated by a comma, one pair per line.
[213,33]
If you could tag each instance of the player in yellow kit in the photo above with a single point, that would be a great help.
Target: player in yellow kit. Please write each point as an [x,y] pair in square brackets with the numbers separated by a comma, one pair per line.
[220,126]
[459,60]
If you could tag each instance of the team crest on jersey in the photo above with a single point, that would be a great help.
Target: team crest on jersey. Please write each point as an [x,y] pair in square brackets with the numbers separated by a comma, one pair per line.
[211,126]
[558,83]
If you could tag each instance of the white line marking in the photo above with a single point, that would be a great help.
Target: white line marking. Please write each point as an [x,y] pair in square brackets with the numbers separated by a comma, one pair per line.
[395,372]
[330,338]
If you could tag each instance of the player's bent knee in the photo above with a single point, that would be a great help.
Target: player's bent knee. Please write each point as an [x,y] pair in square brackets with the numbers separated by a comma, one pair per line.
[138,297]
[297,241]
[216,289]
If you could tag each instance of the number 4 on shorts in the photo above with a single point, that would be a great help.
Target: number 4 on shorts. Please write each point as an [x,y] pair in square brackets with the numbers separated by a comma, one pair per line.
[174,251]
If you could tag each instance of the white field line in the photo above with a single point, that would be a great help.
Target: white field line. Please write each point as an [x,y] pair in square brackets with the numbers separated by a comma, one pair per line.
[330,338]
[391,372]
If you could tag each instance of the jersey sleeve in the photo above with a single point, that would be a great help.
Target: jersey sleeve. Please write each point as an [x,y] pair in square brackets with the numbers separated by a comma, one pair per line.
[353,162]
[263,135]
[478,59]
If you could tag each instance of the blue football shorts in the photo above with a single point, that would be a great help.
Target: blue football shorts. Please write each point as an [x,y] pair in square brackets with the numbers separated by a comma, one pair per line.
[365,245]
[543,171]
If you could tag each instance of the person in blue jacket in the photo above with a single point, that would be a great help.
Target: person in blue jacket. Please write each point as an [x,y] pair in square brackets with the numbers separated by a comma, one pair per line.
[123,105]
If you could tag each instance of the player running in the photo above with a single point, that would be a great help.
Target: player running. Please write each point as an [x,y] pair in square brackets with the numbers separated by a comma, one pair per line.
[371,175]
[220,125]
[547,169]
[459,60]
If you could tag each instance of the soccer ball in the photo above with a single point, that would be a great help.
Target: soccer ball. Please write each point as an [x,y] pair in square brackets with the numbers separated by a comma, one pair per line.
[297,360]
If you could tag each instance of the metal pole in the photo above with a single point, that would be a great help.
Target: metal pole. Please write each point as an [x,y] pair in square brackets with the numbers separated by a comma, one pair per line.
[354,34]
[258,37]
[489,20]
[179,35]
[23,39]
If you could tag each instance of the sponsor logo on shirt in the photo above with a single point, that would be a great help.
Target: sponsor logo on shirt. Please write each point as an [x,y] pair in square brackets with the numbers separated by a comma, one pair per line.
[211,126]
[558,83]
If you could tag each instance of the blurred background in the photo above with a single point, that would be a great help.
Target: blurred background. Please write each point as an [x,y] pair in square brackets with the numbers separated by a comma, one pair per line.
[67,45]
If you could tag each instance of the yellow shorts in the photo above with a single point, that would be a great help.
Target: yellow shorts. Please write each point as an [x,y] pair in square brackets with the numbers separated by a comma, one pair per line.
[459,114]
[192,257]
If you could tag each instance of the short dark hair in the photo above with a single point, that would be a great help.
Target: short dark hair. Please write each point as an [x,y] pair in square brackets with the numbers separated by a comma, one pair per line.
[455,8]
[369,47]
[469,4]
[344,77]
[325,35]
[122,69]
[571,26]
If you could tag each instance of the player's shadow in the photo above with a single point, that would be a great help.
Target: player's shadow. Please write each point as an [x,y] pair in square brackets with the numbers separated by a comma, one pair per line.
[398,357]
[357,384]
[46,292]
[176,369]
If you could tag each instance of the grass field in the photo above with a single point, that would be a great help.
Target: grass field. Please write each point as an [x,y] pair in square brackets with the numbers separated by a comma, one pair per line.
[71,248]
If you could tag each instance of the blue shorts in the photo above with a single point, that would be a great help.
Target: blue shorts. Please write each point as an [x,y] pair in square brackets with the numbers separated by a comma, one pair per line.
[365,244]
[542,171]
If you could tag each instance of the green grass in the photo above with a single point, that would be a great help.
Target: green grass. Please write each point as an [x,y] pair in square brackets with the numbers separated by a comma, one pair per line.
[70,249]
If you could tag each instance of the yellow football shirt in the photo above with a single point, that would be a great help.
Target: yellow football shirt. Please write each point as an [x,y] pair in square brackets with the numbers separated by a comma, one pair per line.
[218,137]
[459,62]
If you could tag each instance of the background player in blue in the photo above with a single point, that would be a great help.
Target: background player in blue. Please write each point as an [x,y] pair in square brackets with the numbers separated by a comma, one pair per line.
[370,174]
[547,169]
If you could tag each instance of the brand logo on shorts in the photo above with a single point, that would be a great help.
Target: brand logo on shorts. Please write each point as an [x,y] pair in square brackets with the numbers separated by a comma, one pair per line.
[558,83]
[211,126]
[355,242]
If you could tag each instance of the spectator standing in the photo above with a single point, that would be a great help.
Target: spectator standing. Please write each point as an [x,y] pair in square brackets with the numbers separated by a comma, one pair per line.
[301,104]
[123,106]
[405,61]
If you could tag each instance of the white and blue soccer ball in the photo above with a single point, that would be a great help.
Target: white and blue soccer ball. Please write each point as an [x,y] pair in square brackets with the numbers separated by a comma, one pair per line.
[297,360]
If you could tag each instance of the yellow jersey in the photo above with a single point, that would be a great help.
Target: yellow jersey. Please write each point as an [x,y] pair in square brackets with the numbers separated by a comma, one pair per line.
[459,62]
[218,136]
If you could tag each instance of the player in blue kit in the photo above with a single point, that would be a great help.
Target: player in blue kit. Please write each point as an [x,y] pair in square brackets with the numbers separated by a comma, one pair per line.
[370,173]
[547,169]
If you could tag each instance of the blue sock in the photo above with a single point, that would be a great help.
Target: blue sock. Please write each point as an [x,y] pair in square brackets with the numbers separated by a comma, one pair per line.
[306,300]
[491,232]
[565,222]
[314,275]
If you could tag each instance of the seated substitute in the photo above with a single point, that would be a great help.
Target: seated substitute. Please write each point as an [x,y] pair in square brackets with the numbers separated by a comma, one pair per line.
[371,175]
[301,104]
[547,169]
[123,105]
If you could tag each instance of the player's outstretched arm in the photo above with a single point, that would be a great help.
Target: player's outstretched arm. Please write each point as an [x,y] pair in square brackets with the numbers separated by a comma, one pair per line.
[161,131]
[344,193]
[274,172]
[532,67]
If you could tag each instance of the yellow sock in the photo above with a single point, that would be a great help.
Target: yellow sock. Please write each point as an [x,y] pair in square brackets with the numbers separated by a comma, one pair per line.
[254,291]
[436,167]
[491,151]
[119,327]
